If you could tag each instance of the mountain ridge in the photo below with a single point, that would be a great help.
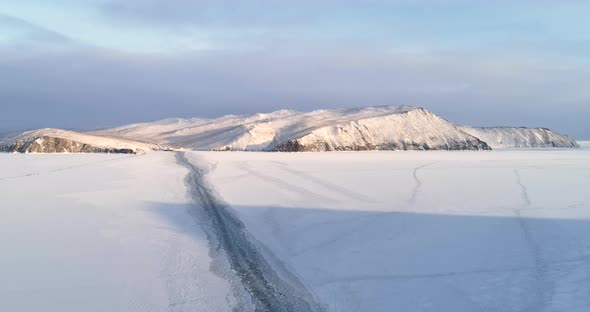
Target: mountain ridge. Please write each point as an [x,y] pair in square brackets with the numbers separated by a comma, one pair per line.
[50,140]
[385,127]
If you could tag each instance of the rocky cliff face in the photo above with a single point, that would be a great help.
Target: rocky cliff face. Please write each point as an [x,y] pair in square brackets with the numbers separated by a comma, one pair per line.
[46,144]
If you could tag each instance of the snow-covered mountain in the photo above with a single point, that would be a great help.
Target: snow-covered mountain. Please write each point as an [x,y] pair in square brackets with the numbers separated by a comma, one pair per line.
[63,141]
[512,137]
[367,128]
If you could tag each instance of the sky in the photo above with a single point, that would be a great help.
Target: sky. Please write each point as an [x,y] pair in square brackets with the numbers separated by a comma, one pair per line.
[89,64]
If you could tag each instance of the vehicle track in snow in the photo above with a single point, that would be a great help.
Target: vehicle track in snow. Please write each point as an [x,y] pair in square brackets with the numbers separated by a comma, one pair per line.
[342,191]
[370,220]
[267,291]
[284,184]
[417,182]
[542,285]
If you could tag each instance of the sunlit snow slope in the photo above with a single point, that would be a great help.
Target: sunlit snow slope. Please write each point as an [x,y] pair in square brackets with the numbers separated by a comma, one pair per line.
[511,137]
[367,128]
[62,141]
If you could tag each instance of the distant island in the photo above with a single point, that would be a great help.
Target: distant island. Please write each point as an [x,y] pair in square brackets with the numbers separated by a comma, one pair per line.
[359,129]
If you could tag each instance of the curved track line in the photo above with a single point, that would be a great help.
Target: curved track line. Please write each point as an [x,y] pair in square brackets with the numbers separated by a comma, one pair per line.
[418,182]
[542,285]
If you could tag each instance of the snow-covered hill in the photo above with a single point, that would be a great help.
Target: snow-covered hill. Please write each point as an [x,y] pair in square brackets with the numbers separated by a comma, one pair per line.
[367,128]
[62,141]
[512,137]
[414,129]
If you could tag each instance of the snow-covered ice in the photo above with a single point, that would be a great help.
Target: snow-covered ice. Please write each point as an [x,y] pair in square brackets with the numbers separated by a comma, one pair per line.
[419,231]
[102,233]
[357,231]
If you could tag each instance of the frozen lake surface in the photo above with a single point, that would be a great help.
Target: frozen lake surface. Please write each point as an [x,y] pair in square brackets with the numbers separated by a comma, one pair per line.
[95,232]
[353,231]
[420,231]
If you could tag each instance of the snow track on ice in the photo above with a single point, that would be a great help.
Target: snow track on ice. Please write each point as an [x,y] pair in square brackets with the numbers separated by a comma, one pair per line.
[267,291]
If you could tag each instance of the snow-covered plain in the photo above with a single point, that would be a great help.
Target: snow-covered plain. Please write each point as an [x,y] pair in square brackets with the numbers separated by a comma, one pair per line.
[360,231]
[419,231]
[96,232]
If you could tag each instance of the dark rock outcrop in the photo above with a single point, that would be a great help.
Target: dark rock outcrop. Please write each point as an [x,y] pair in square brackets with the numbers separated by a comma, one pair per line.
[47,144]
[296,146]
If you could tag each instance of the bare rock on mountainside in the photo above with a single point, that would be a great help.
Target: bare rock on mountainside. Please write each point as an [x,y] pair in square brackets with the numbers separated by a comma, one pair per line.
[62,141]
[366,128]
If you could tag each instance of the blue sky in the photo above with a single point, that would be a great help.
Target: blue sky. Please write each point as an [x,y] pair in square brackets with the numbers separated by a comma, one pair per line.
[99,63]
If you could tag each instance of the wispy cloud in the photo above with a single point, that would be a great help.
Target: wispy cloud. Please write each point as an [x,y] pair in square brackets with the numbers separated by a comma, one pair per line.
[103,62]
[102,88]
[18,33]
